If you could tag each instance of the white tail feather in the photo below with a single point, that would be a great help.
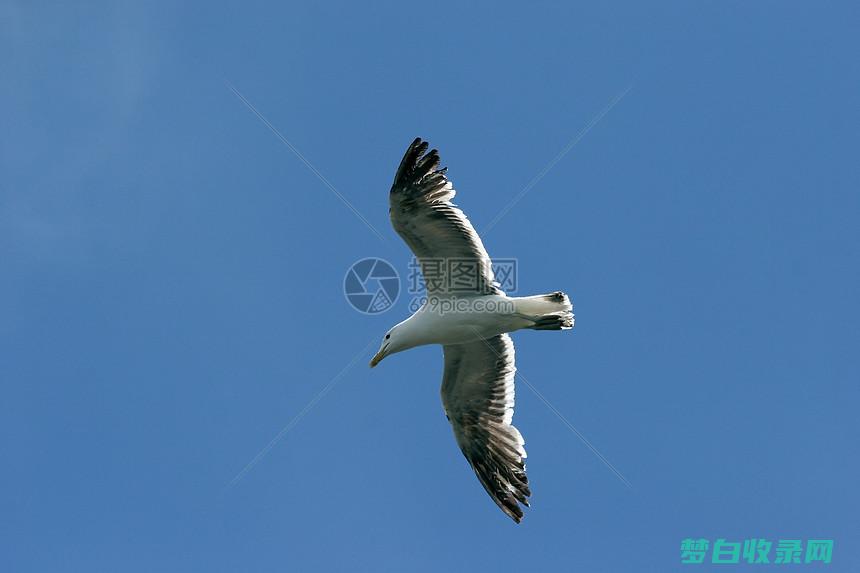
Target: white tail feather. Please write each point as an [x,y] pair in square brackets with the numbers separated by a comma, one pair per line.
[551,311]
[542,304]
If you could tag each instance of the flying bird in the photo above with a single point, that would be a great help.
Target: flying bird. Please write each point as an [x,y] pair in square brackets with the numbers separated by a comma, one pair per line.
[470,316]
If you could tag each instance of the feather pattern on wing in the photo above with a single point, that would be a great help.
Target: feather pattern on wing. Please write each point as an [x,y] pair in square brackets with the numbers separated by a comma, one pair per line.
[438,233]
[478,397]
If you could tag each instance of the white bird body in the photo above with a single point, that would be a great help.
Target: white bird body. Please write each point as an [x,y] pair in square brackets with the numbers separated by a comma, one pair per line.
[472,326]
[455,320]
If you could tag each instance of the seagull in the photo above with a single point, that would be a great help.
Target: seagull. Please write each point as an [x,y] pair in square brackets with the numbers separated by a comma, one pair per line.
[467,313]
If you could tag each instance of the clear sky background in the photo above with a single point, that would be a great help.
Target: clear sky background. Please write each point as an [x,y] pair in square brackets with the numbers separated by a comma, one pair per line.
[171,281]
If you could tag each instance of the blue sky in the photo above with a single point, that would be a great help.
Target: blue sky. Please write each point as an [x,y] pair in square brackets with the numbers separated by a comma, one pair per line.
[170,293]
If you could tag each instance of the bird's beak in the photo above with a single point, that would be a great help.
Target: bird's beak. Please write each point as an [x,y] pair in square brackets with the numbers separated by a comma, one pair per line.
[378,357]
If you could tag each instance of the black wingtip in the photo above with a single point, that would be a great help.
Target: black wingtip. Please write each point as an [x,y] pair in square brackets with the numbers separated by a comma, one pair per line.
[417,163]
[517,515]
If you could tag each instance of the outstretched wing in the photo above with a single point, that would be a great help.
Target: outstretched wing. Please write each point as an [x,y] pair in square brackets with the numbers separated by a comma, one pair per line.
[478,397]
[452,257]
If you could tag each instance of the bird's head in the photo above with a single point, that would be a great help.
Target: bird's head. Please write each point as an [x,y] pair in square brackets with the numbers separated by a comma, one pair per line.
[392,342]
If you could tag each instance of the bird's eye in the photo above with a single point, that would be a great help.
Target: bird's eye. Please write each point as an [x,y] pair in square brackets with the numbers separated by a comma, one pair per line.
[387,336]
